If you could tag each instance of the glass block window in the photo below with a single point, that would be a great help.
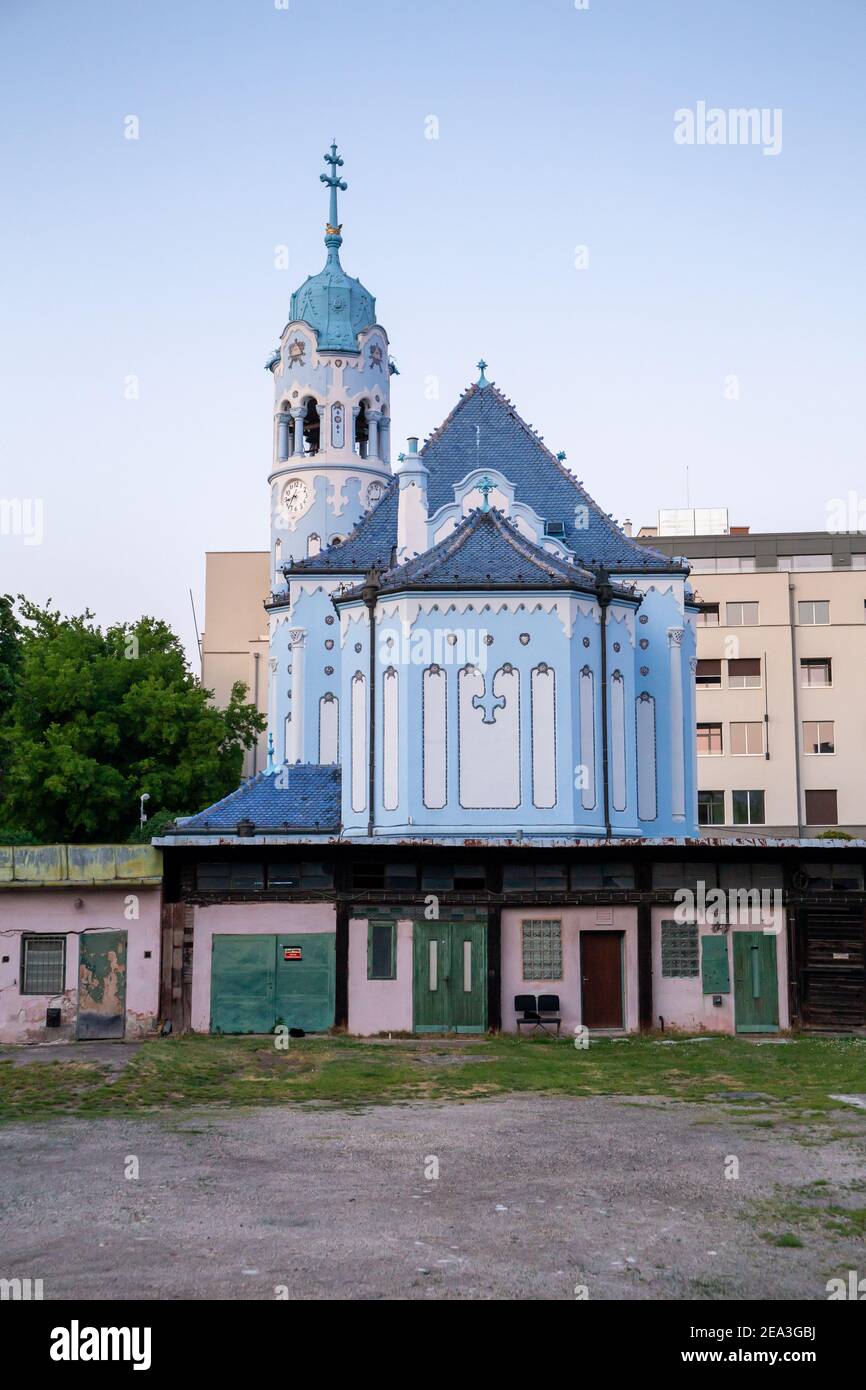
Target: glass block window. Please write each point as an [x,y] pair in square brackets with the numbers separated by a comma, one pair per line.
[43,967]
[680,957]
[542,950]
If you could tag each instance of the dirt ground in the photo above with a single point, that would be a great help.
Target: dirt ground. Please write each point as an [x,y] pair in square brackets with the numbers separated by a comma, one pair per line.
[536,1197]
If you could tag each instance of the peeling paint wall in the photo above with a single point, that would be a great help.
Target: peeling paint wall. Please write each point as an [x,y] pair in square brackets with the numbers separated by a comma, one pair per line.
[53,911]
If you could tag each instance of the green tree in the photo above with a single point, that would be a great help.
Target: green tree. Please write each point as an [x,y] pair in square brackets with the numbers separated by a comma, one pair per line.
[98,717]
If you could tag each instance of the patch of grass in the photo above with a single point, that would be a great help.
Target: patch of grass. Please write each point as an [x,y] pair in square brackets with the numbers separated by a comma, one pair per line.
[815,1206]
[786,1240]
[794,1081]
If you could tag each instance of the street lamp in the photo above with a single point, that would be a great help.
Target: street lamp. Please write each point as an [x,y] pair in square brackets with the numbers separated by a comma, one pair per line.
[142,814]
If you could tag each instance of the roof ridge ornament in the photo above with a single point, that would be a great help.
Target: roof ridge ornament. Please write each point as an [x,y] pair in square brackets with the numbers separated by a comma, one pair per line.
[482,380]
[333,228]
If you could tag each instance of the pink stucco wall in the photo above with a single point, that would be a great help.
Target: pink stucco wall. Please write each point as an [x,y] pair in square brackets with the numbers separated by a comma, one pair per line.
[574,921]
[379,1006]
[245,918]
[53,911]
[682,1003]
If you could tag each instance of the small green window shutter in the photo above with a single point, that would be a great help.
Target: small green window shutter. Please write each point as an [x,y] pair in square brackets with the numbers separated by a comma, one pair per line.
[715,975]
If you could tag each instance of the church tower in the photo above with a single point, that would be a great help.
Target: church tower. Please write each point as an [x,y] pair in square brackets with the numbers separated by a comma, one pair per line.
[331,443]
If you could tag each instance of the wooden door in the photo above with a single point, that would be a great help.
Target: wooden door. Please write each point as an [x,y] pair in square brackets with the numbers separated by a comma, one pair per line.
[102,985]
[449,977]
[756,993]
[601,979]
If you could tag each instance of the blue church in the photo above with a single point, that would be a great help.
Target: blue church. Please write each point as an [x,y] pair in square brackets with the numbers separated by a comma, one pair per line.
[467,656]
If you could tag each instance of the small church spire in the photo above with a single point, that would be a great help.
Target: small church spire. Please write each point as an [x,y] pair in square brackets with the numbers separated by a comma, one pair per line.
[333,228]
[482,380]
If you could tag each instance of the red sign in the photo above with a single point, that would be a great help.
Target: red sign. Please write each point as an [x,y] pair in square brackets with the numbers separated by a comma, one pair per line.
[291,953]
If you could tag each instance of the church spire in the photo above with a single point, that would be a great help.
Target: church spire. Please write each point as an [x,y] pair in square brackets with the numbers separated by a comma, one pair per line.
[333,228]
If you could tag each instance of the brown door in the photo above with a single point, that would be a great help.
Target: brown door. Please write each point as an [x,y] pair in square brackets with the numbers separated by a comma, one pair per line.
[601,978]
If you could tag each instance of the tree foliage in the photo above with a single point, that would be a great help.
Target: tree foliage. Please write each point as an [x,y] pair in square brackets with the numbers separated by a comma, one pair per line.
[96,717]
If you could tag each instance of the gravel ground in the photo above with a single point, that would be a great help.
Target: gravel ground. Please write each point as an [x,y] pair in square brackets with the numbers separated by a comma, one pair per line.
[535,1195]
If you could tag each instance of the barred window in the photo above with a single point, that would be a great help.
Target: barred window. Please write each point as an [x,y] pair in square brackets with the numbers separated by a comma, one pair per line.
[43,966]
[542,949]
[680,957]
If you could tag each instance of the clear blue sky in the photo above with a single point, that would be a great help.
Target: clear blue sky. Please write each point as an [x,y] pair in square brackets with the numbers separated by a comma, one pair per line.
[155,257]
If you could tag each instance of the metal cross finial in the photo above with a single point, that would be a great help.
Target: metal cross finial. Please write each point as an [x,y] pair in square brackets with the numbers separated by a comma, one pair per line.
[334,182]
[271,766]
[482,380]
[485,487]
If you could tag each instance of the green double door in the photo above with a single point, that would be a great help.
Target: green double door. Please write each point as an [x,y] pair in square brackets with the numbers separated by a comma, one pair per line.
[260,981]
[756,992]
[450,977]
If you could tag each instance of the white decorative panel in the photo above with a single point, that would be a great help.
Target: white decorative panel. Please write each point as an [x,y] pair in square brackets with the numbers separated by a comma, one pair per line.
[617,742]
[587,738]
[543,737]
[390,740]
[329,729]
[359,742]
[489,739]
[467,967]
[645,723]
[434,719]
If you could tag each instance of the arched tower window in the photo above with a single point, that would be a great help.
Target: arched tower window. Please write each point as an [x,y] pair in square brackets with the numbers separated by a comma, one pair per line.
[362,429]
[314,544]
[311,426]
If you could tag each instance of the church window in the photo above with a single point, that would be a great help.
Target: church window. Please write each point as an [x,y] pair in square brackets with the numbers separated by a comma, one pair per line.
[362,430]
[314,544]
[311,426]
[554,528]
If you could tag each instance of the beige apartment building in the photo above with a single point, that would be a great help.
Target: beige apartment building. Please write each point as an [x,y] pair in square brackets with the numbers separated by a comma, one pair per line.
[781,677]
[235,638]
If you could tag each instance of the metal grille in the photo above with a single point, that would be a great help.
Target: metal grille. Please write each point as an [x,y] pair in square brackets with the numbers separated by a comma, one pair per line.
[44,969]
[542,949]
[680,949]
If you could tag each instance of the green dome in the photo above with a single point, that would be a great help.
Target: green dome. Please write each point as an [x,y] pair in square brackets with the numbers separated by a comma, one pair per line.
[334,304]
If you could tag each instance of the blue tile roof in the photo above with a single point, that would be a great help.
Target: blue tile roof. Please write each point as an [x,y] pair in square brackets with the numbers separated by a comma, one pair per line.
[484,430]
[310,801]
[484,550]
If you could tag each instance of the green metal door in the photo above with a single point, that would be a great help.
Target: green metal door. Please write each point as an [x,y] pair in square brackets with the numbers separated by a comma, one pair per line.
[756,995]
[450,977]
[242,984]
[102,985]
[305,981]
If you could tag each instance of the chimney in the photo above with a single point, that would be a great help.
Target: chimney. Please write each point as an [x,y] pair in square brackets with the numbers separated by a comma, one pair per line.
[411,503]
[626,526]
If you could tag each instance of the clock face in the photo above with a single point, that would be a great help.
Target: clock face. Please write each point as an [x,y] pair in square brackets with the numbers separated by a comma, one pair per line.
[374,492]
[295,497]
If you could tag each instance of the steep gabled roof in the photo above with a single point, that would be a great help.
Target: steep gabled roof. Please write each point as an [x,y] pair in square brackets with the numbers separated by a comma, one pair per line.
[485,431]
[485,551]
[309,800]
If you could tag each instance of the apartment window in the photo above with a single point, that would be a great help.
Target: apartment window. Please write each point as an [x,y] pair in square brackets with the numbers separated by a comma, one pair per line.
[747,738]
[711,808]
[710,739]
[858,560]
[748,808]
[821,808]
[744,673]
[723,564]
[43,964]
[742,614]
[542,950]
[381,950]
[709,674]
[805,562]
[708,615]
[680,950]
[818,736]
[816,670]
[814,612]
